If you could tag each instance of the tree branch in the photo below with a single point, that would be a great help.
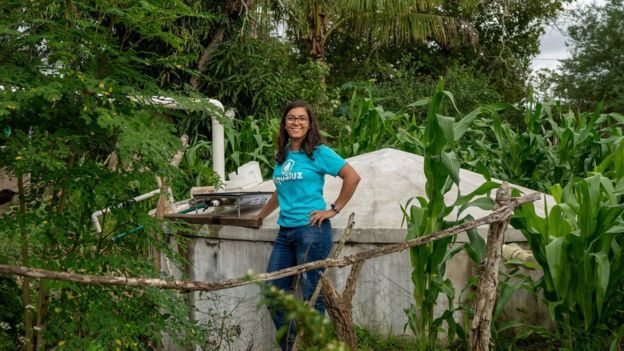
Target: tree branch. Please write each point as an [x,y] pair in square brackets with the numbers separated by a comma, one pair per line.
[496,216]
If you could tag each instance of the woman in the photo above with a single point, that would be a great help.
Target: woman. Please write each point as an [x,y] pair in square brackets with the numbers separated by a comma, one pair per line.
[305,233]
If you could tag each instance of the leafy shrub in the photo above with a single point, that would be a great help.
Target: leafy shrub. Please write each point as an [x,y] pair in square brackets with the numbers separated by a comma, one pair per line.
[317,330]
[259,76]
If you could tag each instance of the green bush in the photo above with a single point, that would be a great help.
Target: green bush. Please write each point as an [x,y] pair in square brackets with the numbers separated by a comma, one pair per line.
[259,76]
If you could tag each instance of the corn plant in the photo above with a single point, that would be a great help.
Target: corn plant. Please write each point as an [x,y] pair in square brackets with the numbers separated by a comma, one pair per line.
[579,247]
[551,146]
[371,127]
[580,141]
[251,139]
[428,215]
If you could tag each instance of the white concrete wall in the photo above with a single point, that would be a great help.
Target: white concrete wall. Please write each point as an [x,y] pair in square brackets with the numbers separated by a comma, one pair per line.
[384,286]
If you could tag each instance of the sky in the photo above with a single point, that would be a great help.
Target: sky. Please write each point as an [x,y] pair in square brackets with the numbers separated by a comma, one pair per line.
[552,42]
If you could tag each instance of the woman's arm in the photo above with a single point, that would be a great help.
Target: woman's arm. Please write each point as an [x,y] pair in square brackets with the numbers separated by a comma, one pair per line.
[268,207]
[350,181]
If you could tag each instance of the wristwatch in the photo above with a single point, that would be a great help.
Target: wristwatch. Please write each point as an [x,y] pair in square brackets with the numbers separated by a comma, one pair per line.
[333,207]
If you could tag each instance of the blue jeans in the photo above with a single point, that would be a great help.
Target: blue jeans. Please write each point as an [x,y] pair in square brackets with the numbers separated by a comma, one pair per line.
[294,246]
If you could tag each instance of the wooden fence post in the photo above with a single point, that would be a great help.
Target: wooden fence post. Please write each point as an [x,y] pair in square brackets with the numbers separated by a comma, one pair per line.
[488,282]
[338,306]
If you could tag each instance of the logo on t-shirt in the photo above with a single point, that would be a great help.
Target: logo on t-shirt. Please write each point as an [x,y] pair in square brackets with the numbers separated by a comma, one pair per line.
[287,173]
[288,166]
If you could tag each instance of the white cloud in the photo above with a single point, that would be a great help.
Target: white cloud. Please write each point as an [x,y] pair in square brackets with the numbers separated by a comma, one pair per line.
[553,42]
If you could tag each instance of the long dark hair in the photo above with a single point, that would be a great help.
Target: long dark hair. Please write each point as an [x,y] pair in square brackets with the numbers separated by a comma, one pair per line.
[312,139]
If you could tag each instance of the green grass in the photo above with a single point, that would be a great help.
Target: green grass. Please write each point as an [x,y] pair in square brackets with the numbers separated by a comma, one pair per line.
[370,341]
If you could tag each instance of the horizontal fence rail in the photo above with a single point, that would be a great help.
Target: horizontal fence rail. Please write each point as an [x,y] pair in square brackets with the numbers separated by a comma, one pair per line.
[496,216]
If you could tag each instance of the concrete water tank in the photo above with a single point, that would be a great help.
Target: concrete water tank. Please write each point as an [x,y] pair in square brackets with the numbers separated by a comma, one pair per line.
[389,179]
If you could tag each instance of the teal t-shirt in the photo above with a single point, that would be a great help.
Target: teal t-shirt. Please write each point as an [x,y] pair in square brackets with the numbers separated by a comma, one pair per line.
[299,183]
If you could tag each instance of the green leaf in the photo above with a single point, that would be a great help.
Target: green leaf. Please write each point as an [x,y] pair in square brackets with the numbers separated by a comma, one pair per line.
[554,255]
[446,126]
[615,340]
[483,189]
[421,102]
[557,223]
[460,128]
[506,292]
[415,222]
[476,244]
[556,191]
[452,165]
[484,203]
[603,270]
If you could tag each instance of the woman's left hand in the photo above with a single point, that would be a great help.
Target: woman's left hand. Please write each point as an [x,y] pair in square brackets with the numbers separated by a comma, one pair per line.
[317,217]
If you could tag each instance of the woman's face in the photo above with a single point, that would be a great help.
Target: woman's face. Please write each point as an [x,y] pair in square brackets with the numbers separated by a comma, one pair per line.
[297,123]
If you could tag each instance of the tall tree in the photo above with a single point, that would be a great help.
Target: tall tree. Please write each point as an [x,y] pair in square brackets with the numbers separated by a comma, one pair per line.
[310,23]
[595,70]
[384,22]
[71,74]
[508,33]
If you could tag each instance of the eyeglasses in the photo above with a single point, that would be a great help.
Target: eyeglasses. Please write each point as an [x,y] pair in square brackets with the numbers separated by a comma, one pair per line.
[303,119]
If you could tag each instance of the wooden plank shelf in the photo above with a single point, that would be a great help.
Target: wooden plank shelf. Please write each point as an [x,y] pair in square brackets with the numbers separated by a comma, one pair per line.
[248,217]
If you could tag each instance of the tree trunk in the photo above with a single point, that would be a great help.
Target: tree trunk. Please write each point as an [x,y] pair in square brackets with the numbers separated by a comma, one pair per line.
[41,310]
[235,9]
[28,330]
[488,283]
[339,307]
[318,27]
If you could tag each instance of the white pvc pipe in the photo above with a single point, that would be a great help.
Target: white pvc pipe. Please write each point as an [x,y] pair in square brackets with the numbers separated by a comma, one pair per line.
[514,251]
[218,149]
[218,132]
[95,216]
[218,144]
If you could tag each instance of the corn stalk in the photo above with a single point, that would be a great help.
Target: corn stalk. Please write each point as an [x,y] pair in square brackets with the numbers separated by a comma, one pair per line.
[441,167]
[579,247]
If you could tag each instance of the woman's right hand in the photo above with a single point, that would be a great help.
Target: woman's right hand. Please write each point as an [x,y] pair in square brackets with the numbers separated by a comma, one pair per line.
[317,217]
[268,208]
[259,219]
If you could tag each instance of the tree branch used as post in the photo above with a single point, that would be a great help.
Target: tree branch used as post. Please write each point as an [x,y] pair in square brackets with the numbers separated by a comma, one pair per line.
[488,283]
[28,330]
[339,306]
[495,216]
[333,299]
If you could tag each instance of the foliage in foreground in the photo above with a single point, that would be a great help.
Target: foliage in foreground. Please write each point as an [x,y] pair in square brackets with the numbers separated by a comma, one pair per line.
[317,330]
